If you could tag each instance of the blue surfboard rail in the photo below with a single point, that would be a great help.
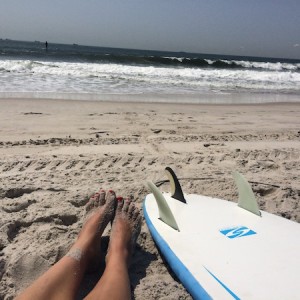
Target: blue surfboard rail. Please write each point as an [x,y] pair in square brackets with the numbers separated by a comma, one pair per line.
[184,275]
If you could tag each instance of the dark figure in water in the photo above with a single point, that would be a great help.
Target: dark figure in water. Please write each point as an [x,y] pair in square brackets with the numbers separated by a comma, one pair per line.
[46,44]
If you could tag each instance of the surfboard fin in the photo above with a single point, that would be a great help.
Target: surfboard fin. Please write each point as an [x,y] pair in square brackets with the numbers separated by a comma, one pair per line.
[246,196]
[176,189]
[165,213]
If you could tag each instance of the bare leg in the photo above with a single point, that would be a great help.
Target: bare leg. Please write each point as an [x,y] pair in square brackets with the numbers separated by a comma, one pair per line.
[62,280]
[115,284]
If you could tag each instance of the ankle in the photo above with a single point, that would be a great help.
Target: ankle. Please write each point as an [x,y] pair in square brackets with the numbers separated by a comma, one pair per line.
[118,257]
[85,245]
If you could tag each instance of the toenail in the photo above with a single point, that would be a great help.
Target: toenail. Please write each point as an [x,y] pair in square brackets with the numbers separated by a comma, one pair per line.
[119,198]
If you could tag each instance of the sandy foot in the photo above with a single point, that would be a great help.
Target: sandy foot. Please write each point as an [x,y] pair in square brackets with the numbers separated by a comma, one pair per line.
[100,211]
[125,230]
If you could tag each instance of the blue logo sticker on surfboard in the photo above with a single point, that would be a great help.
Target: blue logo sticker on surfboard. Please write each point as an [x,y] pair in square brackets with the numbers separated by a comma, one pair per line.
[235,232]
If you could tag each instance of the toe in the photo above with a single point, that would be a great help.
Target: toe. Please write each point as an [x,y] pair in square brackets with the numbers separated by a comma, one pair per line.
[136,214]
[96,198]
[101,199]
[111,200]
[126,205]
[131,209]
[110,196]
[120,204]
[90,205]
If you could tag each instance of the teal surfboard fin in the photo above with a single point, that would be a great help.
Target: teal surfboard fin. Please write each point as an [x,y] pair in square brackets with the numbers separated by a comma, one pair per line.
[176,189]
[246,196]
[165,213]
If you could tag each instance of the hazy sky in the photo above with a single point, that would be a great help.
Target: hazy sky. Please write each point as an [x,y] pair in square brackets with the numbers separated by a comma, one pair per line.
[238,27]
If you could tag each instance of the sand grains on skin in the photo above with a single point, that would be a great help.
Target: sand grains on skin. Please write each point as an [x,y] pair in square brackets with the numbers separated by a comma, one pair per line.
[125,229]
[101,207]
[100,211]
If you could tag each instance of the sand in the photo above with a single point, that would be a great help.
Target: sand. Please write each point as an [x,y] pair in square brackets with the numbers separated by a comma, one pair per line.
[55,154]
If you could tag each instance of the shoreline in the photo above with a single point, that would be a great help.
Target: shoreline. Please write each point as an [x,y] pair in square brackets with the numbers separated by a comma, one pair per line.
[56,153]
[202,98]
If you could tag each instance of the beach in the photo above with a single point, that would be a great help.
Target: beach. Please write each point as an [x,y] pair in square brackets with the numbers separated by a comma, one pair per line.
[54,154]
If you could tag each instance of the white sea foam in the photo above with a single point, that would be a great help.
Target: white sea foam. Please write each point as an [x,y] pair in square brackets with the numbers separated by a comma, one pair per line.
[112,78]
[278,66]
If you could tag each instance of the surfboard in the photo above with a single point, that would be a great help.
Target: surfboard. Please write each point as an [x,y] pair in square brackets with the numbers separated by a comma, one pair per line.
[219,249]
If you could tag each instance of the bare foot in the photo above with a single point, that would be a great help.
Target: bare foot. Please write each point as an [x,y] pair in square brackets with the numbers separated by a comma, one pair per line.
[100,211]
[125,230]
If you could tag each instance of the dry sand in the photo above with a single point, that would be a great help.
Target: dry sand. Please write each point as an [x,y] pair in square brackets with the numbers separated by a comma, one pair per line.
[55,154]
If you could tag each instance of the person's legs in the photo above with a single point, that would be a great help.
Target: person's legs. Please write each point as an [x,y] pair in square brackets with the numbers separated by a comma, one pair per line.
[115,284]
[62,280]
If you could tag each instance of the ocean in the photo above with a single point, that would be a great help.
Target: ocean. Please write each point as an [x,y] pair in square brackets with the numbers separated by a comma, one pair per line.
[30,70]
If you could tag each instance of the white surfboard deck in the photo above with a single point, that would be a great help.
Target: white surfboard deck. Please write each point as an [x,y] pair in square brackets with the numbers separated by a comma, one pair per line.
[222,251]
